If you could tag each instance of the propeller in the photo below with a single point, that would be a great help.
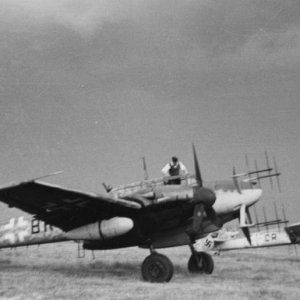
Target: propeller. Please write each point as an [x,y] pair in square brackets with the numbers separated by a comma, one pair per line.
[246,222]
[246,233]
[198,217]
[203,198]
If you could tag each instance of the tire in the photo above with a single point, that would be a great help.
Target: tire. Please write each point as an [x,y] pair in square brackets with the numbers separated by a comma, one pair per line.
[202,263]
[157,268]
[208,263]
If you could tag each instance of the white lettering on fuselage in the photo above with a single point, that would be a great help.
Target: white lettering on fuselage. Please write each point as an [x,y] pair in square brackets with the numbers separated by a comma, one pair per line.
[258,239]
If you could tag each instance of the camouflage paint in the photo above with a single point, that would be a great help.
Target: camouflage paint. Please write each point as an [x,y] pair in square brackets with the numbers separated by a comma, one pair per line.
[28,231]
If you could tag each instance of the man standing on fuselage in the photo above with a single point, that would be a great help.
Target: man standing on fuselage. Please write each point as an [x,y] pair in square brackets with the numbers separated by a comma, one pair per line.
[174,168]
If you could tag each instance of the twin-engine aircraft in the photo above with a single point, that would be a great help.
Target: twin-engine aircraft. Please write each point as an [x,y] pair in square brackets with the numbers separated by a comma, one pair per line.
[148,214]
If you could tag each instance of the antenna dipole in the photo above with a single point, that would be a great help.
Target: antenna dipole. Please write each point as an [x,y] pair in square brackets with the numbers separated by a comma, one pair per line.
[269,168]
[276,215]
[146,176]
[265,217]
[256,170]
[284,215]
[256,218]
[248,169]
[276,174]
[235,180]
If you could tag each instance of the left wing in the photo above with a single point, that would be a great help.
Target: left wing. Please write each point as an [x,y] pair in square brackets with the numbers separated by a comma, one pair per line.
[64,208]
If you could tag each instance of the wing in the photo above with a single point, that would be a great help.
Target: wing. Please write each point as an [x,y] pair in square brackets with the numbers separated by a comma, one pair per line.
[63,208]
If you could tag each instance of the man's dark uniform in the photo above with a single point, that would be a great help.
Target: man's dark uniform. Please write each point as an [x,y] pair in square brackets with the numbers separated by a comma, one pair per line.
[174,168]
[174,171]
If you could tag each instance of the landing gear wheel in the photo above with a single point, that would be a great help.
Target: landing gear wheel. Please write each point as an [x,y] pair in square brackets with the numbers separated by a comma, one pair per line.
[201,262]
[157,268]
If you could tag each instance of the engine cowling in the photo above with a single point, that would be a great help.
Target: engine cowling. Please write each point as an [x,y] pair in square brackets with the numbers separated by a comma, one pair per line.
[101,230]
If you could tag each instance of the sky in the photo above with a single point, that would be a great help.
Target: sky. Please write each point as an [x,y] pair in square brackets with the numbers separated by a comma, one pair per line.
[89,87]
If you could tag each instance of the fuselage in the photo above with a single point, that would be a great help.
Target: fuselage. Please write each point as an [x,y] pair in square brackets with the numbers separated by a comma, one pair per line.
[228,198]
[265,238]
[166,224]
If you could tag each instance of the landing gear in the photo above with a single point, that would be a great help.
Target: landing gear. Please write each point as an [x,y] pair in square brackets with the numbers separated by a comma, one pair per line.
[157,268]
[201,262]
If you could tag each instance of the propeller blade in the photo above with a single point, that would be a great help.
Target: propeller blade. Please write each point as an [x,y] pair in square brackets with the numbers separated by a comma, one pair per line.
[245,217]
[212,216]
[197,169]
[203,200]
[210,212]
[246,233]
[245,222]
[198,217]
[249,216]
[256,217]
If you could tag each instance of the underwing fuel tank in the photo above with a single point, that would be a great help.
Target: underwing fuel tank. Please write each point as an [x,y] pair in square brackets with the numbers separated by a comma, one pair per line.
[101,230]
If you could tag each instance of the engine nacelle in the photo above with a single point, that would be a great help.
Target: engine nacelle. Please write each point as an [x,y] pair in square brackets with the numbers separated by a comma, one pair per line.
[101,230]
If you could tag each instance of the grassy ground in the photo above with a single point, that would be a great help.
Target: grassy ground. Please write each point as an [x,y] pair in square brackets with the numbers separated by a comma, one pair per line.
[54,272]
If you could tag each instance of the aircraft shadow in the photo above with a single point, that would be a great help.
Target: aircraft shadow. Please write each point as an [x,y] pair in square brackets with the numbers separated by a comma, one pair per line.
[270,258]
[99,269]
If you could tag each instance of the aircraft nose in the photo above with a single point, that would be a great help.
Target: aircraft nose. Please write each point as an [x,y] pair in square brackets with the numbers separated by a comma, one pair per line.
[254,196]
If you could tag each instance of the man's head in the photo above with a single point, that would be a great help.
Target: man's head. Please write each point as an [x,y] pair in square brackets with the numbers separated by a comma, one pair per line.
[174,159]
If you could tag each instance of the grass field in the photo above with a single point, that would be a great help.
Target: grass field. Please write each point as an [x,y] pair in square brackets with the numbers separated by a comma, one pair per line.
[54,272]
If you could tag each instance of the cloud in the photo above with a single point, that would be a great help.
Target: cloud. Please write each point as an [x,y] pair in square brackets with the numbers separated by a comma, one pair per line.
[160,43]
[84,17]
[216,26]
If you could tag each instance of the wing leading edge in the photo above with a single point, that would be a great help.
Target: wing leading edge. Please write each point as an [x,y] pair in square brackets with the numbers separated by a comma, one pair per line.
[64,208]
